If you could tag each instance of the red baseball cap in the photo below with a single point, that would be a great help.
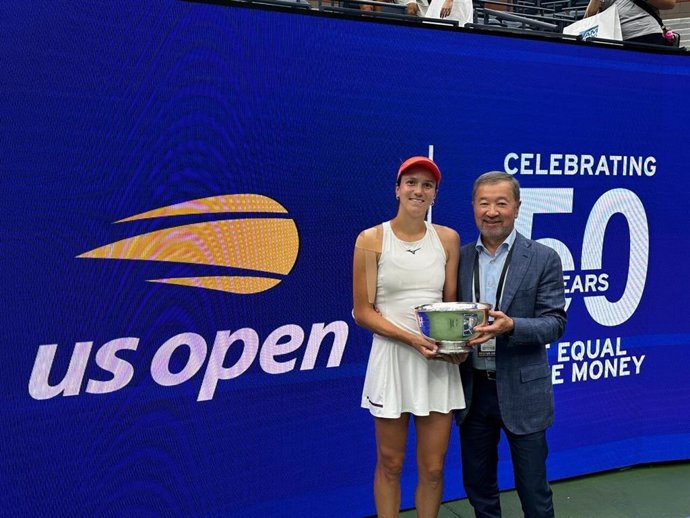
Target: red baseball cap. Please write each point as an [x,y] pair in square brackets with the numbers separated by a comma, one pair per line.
[423,162]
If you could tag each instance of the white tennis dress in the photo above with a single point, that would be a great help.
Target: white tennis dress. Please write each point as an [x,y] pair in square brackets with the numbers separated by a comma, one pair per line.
[399,379]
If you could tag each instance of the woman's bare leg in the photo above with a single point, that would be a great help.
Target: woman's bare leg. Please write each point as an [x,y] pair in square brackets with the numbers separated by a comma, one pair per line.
[433,434]
[391,436]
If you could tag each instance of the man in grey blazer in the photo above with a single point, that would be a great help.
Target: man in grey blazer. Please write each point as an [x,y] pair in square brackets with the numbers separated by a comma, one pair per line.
[507,379]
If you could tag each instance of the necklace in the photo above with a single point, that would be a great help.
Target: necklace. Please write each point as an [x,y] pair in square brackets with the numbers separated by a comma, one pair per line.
[410,246]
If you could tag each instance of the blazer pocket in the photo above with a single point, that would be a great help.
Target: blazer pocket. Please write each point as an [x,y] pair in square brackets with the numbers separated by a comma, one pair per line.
[534,372]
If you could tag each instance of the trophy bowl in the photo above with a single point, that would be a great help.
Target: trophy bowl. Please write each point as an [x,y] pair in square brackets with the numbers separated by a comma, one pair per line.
[451,324]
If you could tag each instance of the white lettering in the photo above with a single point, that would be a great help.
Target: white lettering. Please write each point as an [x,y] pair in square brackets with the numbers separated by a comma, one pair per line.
[510,157]
[106,359]
[525,161]
[283,341]
[339,330]
[637,360]
[274,347]
[538,168]
[586,164]
[39,386]
[579,372]
[602,166]
[570,164]
[215,370]
[555,165]
[577,351]
[160,366]
[627,203]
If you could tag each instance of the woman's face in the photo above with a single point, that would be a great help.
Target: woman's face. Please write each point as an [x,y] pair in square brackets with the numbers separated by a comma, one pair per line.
[417,190]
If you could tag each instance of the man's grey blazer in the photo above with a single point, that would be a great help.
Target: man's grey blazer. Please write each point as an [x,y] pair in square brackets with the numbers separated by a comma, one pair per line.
[534,298]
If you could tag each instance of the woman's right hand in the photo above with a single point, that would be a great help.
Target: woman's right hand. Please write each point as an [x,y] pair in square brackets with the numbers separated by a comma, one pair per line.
[426,348]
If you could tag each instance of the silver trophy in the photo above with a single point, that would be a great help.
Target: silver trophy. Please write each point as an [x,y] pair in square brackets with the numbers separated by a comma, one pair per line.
[451,324]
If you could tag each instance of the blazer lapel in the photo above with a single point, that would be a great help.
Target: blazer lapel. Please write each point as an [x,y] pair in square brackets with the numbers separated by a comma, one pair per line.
[519,264]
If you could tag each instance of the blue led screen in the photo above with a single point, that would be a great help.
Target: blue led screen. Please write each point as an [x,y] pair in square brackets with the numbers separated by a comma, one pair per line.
[182,185]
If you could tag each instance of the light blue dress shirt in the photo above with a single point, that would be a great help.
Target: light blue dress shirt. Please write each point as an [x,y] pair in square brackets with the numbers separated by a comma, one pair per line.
[490,268]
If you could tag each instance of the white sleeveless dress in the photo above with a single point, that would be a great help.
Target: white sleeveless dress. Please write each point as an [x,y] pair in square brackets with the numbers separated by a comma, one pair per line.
[399,379]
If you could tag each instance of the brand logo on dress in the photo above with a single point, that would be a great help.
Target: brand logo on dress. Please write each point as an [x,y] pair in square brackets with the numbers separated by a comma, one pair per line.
[267,247]
[414,250]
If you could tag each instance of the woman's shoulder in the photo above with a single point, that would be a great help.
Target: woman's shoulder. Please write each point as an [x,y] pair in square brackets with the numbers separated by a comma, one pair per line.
[447,233]
[376,230]
[371,238]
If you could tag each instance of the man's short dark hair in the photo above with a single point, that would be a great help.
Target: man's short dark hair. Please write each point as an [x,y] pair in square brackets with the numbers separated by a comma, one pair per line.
[494,177]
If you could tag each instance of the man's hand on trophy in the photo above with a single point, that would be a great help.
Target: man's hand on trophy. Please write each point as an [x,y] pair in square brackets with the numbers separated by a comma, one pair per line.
[502,324]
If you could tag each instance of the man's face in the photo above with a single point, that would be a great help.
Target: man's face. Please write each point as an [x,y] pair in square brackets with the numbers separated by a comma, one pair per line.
[495,211]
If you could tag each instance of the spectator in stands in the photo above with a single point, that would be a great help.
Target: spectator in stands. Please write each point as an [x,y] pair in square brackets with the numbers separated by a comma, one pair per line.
[412,7]
[638,20]
[400,264]
[446,8]
[458,10]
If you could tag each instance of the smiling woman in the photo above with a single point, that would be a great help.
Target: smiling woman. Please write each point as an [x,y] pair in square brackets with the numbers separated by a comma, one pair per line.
[416,191]
[400,264]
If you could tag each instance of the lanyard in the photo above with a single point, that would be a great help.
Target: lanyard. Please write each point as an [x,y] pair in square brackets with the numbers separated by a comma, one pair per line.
[499,288]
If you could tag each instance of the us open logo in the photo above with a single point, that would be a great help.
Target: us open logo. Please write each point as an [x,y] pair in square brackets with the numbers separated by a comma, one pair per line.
[259,246]
[265,245]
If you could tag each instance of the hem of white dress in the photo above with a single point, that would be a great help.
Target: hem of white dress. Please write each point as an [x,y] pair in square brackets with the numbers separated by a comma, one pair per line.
[385,415]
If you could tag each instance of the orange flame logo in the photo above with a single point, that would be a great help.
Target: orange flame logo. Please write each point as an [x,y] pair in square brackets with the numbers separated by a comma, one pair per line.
[262,244]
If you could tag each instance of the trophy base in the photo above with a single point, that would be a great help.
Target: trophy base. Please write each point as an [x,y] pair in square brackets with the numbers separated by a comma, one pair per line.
[451,347]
